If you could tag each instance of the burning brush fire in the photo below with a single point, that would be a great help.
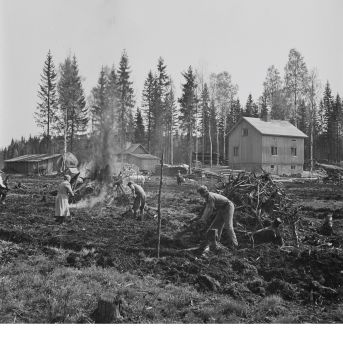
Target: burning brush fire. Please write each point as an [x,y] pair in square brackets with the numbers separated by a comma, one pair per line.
[94,184]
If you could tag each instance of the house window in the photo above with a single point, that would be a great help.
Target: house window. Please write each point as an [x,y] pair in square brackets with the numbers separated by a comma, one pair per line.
[245,132]
[293,151]
[292,167]
[272,167]
[235,151]
[274,150]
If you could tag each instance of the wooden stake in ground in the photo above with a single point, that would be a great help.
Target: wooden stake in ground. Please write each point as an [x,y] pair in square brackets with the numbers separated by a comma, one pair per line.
[159,209]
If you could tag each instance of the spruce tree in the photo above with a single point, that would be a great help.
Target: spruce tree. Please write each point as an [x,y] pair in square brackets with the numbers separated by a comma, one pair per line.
[205,118]
[100,118]
[337,110]
[125,101]
[161,85]
[148,105]
[112,98]
[73,118]
[187,109]
[329,118]
[139,128]
[47,107]
[170,120]
[248,112]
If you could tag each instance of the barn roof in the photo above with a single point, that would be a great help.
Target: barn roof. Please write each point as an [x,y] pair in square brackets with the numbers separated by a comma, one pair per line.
[32,158]
[273,127]
[144,156]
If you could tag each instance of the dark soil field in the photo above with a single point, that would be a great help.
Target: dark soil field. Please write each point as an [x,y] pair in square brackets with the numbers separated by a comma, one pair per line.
[51,273]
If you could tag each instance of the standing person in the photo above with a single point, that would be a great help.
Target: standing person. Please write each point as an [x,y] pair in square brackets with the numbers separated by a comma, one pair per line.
[61,203]
[179,178]
[3,189]
[224,210]
[139,196]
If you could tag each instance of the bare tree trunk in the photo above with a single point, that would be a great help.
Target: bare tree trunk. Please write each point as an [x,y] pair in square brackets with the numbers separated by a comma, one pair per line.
[190,148]
[159,209]
[65,140]
[311,147]
[196,149]
[196,133]
[210,138]
[217,147]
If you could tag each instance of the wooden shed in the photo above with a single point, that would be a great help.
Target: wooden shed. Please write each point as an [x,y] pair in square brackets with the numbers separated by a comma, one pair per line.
[272,145]
[32,164]
[138,155]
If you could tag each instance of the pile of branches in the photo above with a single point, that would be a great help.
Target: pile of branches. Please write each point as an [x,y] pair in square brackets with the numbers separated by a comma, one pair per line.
[258,199]
[334,174]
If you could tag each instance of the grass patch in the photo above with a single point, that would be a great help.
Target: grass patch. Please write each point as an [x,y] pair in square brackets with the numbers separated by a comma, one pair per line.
[39,291]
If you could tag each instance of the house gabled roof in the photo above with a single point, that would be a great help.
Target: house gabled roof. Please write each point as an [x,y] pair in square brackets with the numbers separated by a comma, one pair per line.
[272,127]
[144,156]
[32,158]
[133,147]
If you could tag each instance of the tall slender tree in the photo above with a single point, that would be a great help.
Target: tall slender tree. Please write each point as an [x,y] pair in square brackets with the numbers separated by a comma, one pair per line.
[73,119]
[148,105]
[139,128]
[272,86]
[331,121]
[187,109]
[205,118]
[213,131]
[170,121]
[161,86]
[125,101]
[296,79]
[312,97]
[100,119]
[47,107]
[223,91]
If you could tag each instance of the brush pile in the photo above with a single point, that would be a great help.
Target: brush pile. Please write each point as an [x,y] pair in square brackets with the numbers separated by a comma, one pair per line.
[334,174]
[258,200]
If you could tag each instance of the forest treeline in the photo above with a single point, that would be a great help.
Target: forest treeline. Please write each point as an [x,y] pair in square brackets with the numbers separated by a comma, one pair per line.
[198,121]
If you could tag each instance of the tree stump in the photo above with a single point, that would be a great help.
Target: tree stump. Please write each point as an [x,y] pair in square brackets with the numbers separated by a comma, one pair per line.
[108,309]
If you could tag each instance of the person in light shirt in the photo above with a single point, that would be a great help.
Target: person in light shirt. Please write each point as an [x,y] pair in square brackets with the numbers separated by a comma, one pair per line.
[224,210]
[61,203]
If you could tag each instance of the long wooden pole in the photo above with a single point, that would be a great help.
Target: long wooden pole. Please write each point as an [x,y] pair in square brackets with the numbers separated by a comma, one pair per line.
[159,210]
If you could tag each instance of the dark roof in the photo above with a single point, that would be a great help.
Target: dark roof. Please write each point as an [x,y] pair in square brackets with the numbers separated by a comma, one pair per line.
[273,127]
[132,148]
[32,158]
[144,156]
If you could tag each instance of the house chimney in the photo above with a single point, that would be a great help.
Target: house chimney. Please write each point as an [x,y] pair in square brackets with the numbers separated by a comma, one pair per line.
[267,117]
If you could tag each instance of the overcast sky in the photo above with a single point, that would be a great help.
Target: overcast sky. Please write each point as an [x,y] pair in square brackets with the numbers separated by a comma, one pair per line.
[241,37]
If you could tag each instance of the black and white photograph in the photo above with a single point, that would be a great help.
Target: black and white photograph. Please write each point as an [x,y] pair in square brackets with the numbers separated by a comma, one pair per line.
[171,162]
